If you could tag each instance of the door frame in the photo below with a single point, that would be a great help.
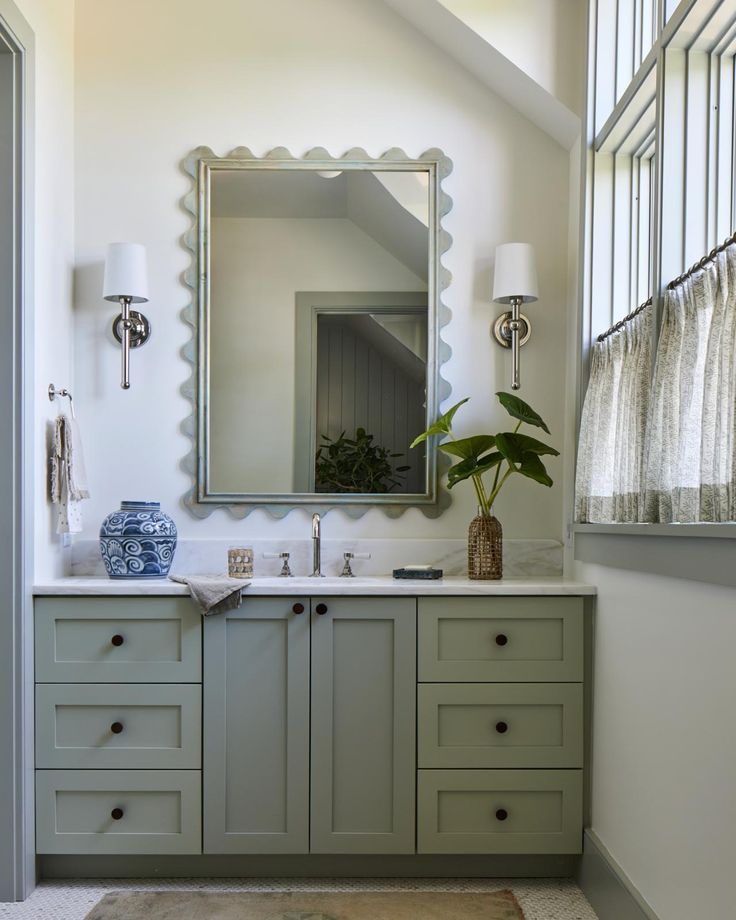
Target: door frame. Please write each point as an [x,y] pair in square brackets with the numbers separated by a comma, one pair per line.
[17,813]
[308,307]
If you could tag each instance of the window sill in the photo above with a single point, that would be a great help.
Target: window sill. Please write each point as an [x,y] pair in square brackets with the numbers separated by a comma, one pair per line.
[700,552]
[727,529]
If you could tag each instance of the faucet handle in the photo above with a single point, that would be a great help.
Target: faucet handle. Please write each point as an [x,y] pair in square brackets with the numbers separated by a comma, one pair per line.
[347,571]
[285,570]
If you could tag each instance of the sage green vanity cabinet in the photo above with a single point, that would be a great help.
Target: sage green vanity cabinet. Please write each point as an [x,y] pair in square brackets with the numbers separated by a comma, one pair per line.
[259,797]
[118,725]
[500,687]
[256,727]
[307,725]
[363,725]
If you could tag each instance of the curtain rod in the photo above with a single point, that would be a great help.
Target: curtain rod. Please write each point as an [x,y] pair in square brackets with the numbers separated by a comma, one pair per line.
[616,327]
[702,263]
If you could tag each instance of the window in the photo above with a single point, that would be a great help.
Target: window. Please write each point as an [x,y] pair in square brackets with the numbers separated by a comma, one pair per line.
[660,190]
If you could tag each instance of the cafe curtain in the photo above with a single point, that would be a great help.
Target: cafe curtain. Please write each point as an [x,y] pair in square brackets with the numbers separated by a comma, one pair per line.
[690,459]
[613,425]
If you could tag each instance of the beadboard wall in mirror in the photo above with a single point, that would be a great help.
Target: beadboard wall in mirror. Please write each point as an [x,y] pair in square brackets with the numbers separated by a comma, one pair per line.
[316,318]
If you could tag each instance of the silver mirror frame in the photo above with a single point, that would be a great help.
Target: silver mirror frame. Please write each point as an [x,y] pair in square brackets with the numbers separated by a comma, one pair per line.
[199,165]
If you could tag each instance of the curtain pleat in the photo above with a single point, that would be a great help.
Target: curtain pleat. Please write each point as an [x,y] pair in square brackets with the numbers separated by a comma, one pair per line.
[608,483]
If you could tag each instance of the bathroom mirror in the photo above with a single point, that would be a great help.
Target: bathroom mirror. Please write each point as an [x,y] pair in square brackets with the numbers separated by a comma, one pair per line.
[316,318]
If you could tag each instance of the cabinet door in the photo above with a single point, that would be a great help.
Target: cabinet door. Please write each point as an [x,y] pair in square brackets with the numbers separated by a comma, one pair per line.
[256,728]
[363,725]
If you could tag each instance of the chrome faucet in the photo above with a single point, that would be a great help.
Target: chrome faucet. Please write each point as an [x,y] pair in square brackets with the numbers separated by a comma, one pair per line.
[316,547]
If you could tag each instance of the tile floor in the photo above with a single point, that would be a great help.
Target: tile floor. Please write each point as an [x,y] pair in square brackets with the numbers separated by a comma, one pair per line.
[540,899]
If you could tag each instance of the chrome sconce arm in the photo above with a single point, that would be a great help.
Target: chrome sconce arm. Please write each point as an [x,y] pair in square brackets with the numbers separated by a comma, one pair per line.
[132,329]
[514,283]
[512,330]
[126,282]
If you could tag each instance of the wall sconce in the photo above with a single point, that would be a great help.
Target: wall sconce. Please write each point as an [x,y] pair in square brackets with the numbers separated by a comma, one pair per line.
[126,281]
[514,283]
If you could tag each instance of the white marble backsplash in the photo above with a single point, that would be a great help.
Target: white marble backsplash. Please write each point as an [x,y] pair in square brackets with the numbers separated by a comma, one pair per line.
[521,558]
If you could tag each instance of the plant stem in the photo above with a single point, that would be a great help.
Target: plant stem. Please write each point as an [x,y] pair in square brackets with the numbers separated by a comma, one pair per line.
[480,492]
[498,468]
[497,489]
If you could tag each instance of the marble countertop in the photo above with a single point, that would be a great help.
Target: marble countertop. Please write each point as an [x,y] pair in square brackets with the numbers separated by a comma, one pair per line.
[383,585]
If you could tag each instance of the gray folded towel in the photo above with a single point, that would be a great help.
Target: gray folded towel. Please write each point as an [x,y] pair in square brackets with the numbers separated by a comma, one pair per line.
[213,593]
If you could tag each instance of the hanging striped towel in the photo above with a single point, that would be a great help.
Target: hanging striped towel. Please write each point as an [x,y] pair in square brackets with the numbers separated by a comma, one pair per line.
[68,475]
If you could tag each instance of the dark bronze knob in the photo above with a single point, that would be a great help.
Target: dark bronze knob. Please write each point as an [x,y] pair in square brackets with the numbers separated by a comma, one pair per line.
[502,639]
[502,727]
[321,609]
[116,728]
[298,608]
[116,814]
[501,814]
[117,640]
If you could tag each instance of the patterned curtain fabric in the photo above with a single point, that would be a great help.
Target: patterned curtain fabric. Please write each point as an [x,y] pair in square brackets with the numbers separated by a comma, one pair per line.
[611,450]
[691,460]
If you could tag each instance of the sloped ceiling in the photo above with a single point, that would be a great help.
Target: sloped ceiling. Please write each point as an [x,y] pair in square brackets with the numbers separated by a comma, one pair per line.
[486,63]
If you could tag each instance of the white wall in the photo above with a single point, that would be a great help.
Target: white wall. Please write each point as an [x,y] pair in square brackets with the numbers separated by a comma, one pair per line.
[53,25]
[257,266]
[333,73]
[664,737]
[544,38]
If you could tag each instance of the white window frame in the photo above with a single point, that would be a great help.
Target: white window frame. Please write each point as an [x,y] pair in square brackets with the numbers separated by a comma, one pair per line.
[683,94]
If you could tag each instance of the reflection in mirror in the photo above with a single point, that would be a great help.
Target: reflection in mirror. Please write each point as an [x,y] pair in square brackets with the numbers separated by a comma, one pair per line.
[318,331]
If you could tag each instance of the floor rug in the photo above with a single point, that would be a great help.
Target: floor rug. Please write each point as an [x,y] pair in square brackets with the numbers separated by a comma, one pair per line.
[305,905]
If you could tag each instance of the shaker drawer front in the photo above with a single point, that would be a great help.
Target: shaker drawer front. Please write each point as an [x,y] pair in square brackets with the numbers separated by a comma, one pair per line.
[118,811]
[500,725]
[500,811]
[118,726]
[501,639]
[117,640]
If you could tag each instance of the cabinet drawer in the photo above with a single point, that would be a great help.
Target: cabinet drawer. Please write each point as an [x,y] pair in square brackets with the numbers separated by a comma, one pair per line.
[156,811]
[117,640]
[118,726]
[500,725]
[501,639]
[500,811]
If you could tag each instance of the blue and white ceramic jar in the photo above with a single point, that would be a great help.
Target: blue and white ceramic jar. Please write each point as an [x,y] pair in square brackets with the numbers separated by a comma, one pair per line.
[138,541]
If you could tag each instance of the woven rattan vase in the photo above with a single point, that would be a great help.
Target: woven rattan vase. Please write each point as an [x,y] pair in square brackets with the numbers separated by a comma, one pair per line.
[485,548]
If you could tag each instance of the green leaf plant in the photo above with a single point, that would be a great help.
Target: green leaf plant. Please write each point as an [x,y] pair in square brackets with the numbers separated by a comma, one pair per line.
[356,465]
[505,453]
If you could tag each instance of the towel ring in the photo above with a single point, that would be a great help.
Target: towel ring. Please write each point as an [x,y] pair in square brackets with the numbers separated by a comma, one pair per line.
[54,393]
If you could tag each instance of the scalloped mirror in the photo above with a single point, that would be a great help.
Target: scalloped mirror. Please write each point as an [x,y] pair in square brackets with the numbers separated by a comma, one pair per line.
[316,319]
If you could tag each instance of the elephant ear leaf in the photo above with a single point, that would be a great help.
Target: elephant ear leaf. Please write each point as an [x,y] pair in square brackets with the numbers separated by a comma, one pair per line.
[472,467]
[443,424]
[533,467]
[532,446]
[508,445]
[517,408]
[468,448]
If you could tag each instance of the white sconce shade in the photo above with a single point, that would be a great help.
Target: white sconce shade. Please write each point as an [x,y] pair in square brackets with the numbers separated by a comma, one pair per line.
[515,275]
[126,274]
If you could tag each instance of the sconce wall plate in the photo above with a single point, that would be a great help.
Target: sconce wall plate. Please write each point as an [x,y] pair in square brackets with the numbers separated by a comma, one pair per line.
[501,331]
[140,328]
